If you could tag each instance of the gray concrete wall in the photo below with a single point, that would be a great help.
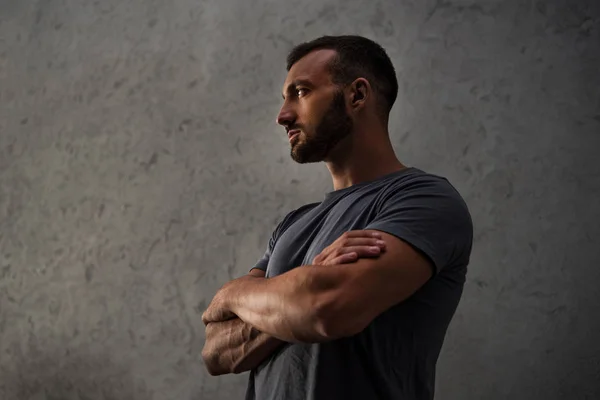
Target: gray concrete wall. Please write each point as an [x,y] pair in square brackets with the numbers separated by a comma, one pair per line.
[141,168]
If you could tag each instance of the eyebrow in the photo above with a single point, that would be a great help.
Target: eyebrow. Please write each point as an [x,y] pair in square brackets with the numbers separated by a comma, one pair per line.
[296,82]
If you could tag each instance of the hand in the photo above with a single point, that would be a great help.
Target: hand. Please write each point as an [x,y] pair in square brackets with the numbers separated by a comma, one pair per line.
[218,309]
[351,246]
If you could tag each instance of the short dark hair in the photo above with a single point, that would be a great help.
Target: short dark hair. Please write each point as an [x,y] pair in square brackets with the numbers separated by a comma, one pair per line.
[356,57]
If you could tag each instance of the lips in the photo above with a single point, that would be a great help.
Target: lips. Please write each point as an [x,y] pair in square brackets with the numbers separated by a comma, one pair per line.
[293,132]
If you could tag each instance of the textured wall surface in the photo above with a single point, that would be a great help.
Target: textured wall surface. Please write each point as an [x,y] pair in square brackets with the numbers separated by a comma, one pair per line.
[141,168]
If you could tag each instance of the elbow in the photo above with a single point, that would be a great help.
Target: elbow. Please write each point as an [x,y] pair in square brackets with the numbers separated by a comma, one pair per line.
[211,366]
[214,371]
[211,362]
[334,322]
[334,310]
[332,328]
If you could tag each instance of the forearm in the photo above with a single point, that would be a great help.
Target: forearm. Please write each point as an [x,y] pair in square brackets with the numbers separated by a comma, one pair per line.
[291,307]
[234,346]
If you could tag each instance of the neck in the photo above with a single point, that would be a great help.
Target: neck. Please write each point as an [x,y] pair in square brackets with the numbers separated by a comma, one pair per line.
[362,157]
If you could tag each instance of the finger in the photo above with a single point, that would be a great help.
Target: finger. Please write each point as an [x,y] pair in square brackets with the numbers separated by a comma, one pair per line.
[361,245]
[351,254]
[361,251]
[343,259]
[364,242]
[363,233]
[366,251]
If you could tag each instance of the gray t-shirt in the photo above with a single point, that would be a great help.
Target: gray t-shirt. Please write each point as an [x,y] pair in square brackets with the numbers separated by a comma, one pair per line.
[395,356]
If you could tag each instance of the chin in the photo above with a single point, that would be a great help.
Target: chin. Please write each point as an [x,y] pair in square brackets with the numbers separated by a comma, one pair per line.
[307,153]
[306,158]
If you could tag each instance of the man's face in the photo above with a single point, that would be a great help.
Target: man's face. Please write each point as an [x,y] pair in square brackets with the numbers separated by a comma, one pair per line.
[314,109]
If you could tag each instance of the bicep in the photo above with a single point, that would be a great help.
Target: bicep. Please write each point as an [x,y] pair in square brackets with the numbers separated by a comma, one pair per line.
[392,277]
[433,219]
[371,286]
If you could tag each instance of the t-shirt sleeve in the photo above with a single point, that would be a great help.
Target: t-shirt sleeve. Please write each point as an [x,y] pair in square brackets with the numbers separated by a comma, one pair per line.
[432,217]
[264,260]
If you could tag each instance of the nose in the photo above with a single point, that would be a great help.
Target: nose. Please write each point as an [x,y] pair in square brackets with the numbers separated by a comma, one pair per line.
[286,116]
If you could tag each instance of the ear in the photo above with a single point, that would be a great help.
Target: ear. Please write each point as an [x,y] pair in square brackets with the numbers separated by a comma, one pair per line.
[360,91]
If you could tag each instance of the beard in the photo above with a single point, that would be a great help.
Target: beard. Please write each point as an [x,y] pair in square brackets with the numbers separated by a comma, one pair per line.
[333,127]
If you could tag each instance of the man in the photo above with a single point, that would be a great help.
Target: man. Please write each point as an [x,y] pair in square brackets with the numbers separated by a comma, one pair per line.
[321,316]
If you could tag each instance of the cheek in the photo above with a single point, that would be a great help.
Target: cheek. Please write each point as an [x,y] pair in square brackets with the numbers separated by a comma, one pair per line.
[314,108]
[311,117]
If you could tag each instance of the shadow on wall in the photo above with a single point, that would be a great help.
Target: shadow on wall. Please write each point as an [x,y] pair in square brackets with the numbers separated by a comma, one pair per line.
[68,375]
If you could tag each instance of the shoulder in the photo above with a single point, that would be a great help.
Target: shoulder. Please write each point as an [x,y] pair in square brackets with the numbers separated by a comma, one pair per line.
[423,187]
[415,179]
[299,212]
[293,215]
[427,211]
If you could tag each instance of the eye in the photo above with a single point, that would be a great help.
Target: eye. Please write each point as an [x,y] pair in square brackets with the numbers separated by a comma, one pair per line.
[301,91]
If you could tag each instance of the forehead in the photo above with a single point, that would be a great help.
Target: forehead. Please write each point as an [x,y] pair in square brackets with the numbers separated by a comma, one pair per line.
[312,67]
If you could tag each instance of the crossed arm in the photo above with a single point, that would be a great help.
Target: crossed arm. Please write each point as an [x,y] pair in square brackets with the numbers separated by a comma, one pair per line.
[234,346]
[317,304]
